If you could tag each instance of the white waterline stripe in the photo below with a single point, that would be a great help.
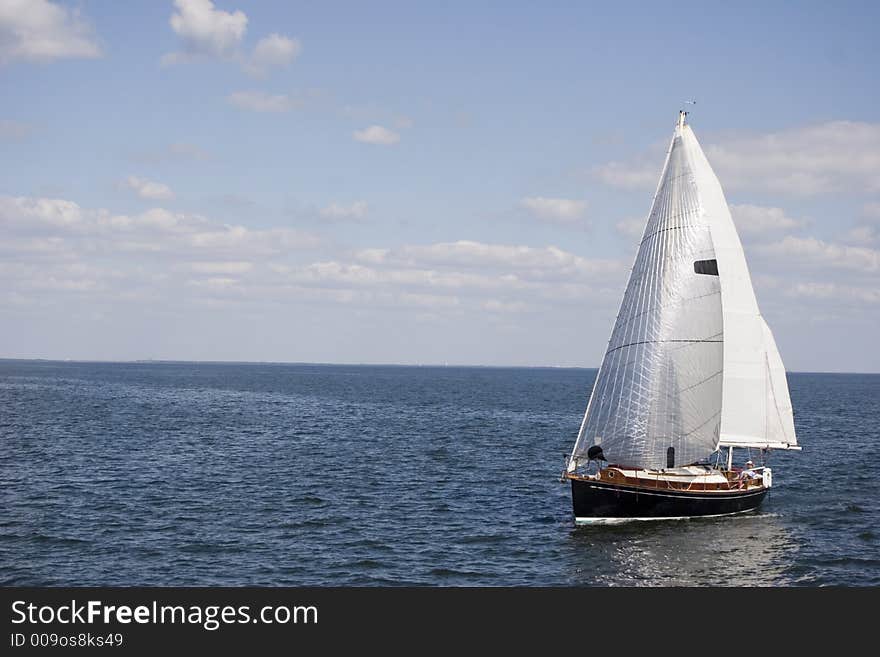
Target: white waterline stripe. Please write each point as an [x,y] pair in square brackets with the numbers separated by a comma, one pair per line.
[621,520]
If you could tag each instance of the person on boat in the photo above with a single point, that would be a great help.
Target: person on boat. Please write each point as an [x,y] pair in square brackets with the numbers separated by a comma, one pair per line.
[750,471]
[746,474]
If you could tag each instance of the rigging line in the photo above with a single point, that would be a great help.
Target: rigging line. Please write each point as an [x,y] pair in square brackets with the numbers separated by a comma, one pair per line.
[631,344]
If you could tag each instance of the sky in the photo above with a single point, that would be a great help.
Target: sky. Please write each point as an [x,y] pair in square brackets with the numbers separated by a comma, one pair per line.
[420,183]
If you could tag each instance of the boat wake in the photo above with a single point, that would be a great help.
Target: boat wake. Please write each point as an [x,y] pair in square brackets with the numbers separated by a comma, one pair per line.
[590,522]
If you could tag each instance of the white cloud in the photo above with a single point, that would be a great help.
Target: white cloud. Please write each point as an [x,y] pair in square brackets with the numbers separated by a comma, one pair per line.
[834,291]
[75,231]
[555,210]
[335,273]
[867,231]
[148,189]
[468,275]
[755,219]
[159,219]
[258,101]
[812,251]
[273,51]
[376,134]
[185,258]
[499,292]
[27,211]
[38,30]
[336,212]
[215,283]
[818,159]
[238,240]
[206,30]
[542,262]
[373,256]
[864,234]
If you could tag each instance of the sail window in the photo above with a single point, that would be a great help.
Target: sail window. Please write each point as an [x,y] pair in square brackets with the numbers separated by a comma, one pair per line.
[709,267]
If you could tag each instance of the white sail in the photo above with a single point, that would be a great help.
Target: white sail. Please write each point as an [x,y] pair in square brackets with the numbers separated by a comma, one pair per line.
[756,408]
[780,420]
[691,364]
[660,383]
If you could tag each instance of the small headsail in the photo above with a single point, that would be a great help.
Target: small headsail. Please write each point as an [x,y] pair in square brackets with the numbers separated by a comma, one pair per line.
[756,404]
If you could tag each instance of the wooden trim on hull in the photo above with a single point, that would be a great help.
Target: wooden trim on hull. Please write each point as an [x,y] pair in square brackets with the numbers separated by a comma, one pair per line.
[593,499]
[724,481]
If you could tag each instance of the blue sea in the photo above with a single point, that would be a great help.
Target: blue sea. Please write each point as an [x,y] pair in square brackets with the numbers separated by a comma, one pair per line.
[264,474]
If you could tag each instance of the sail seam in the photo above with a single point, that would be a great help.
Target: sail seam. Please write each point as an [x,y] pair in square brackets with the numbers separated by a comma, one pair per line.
[680,227]
[632,344]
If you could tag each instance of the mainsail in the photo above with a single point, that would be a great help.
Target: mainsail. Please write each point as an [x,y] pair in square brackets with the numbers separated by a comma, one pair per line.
[691,364]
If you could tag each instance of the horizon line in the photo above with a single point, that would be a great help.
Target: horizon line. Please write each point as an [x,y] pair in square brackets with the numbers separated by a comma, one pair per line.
[170,361]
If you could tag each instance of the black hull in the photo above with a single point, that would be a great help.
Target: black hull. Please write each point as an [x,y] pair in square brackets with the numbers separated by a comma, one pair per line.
[596,501]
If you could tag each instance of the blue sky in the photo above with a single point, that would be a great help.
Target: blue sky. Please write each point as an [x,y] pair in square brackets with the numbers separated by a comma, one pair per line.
[419,182]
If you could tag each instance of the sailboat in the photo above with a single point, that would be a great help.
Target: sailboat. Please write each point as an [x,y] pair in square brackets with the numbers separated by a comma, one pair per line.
[691,371]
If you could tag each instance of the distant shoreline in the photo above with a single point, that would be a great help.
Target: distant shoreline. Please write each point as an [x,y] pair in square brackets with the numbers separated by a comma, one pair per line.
[325,364]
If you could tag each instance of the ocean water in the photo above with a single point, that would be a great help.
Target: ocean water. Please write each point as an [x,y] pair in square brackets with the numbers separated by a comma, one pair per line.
[252,474]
